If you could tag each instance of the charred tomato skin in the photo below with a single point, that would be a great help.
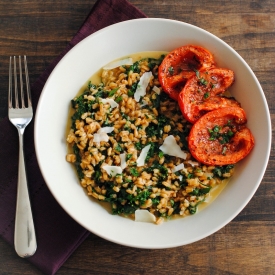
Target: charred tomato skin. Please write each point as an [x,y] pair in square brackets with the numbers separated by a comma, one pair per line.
[179,65]
[203,93]
[211,151]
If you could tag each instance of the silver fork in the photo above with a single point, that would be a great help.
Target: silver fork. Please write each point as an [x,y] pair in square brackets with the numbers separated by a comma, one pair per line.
[20,115]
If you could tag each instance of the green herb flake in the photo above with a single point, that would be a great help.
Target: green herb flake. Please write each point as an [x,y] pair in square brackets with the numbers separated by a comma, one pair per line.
[112,92]
[134,172]
[161,154]
[203,81]
[223,137]
[171,70]
[197,74]
[118,99]
[118,148]
[138,145]
[128,156]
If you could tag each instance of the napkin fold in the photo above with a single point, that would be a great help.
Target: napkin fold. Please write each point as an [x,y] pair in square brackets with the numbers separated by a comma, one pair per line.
[58,235]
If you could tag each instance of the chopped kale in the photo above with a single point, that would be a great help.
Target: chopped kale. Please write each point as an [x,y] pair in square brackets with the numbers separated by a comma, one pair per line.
[77,162]
[138,145]
[201,191]
[134,68]
[112,92]
[134,172]
[218,171]
[133,88]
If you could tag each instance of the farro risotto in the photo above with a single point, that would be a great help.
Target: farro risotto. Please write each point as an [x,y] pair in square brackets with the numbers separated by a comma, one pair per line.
[128,142]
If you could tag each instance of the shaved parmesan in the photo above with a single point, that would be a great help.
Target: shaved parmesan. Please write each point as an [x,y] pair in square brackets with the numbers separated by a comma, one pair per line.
[178,168]
[144,216]
[193,163]
[118,63]
[142,85]
[143,155]
[171,148]
[101,137]
[180,177]
[101,134]
[112,103]
[123,163]
[112,170]
[106,130]
[156,89]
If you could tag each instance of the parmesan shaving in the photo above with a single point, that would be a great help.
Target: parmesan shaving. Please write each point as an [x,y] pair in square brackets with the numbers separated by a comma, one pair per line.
[106,130]
[112,103]
[101,134]
[112,170]
[118,63]
[156,90]
[144,216]
[171,148]
[142,85]
[100,137]
[123,163]
[193,163]
[178,168]
[143,155]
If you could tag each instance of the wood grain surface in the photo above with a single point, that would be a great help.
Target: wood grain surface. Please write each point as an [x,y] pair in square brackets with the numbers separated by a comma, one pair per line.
[42,28]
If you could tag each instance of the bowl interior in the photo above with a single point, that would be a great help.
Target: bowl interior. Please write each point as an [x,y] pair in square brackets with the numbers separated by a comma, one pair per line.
[73,71]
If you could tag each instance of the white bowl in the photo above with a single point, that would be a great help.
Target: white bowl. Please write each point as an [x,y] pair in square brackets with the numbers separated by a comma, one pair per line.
[73,71]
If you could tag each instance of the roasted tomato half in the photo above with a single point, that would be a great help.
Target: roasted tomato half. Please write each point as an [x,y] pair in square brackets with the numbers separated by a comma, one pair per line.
[221,137]
[179,65]
[202,93]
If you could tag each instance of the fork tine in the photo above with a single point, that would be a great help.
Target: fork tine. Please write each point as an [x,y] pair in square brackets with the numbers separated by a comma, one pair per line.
[15,84]
[10,85]
[27,82]
[21,84]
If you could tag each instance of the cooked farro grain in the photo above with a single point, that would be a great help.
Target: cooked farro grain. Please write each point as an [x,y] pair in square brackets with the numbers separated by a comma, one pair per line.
[125,127]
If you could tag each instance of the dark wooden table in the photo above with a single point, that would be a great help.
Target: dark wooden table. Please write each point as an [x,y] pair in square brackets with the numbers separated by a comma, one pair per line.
[42,28]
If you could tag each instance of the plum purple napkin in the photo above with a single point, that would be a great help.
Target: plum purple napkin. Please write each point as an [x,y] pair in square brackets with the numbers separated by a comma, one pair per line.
[58,235]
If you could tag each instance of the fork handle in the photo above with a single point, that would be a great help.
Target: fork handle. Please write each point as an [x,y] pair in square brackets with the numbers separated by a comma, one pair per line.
[24,233]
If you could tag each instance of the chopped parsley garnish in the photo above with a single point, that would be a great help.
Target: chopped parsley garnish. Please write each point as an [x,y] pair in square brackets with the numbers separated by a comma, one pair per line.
[134,172]
[118,148]
[201,79]
[128,156]
[224,137]
[171,70]
[118,99]
[206,95]
[161,154]
[138,145]
[111,93]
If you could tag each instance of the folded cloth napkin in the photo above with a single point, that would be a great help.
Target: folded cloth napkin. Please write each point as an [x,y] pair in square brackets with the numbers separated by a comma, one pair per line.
[58,235]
